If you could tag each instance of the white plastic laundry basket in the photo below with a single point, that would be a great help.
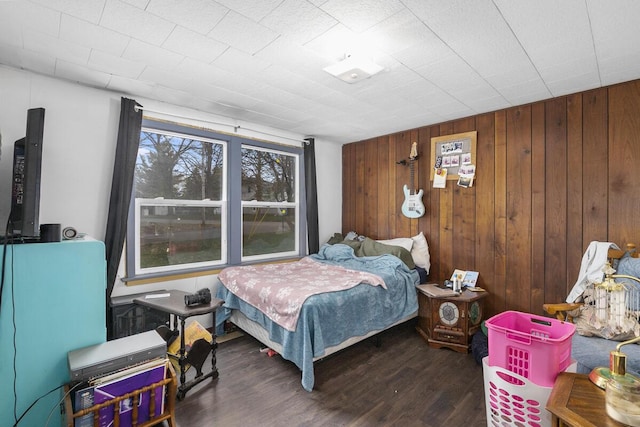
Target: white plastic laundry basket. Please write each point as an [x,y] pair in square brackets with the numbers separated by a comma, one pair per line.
[513,400]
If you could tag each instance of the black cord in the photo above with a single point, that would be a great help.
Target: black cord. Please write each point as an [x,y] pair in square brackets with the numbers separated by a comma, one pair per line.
[38,399]
[61,400]
[4,257]
[7,238]
[15,333]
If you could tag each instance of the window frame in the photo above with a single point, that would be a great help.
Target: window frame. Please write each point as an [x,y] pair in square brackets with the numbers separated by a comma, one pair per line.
[233,203]
[184,203]
[265,204]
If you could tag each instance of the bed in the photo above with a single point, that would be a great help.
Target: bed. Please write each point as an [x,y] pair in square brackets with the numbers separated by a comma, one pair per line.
[381,294]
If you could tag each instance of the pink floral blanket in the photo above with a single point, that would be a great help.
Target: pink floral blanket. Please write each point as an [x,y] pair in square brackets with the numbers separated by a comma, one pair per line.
[279,290]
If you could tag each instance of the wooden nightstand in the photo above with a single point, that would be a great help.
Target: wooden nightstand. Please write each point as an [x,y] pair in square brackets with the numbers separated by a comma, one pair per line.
[449,321]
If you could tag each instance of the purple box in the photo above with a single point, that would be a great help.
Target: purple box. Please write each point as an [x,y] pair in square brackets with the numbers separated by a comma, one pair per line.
[126,384]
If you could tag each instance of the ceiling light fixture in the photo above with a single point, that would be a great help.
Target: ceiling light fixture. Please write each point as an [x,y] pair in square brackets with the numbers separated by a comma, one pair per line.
[353,69]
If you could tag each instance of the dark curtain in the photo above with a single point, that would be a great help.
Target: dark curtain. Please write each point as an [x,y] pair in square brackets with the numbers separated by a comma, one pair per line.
[121,186]
[313,239]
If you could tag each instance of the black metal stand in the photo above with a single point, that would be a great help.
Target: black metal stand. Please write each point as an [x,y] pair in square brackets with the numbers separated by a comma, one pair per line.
[200,349]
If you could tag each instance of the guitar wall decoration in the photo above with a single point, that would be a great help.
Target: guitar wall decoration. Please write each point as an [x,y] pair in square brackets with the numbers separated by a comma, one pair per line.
[412,207]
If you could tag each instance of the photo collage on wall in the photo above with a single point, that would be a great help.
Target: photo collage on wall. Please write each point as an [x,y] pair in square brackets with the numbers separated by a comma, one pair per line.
[454,159]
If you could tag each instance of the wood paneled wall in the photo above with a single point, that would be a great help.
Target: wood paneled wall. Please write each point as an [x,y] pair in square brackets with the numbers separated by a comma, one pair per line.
[551,177]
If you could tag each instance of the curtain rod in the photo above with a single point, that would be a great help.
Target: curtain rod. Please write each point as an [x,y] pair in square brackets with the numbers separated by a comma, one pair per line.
[235,127]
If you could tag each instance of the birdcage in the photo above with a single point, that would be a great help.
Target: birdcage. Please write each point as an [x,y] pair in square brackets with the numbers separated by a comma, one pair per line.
[612,308]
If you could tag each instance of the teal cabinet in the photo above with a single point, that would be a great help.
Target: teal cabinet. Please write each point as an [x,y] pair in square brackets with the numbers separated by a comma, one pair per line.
[53,301]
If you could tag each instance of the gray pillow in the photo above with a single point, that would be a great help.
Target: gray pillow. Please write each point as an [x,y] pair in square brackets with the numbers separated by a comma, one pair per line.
[631,267]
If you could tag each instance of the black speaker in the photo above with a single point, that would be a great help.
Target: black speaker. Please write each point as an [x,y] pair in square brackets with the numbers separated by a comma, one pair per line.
[50,233]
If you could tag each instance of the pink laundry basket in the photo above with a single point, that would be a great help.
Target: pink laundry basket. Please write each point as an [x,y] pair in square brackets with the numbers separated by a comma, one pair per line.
[534,347]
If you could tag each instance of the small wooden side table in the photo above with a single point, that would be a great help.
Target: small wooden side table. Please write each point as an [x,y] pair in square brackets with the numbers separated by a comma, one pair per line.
[449,320]
[175,306]
[576,402]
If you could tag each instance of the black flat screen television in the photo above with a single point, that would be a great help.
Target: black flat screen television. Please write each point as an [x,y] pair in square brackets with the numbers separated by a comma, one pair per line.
[24,222]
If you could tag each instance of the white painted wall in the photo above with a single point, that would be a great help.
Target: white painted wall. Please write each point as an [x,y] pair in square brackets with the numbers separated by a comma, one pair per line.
[81,126]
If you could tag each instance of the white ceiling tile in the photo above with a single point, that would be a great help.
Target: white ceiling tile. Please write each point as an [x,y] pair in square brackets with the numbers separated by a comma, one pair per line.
[172,95]
[151,55]
[536,27]
[512,76]
[484,105]
[93,36]
[236,61]
[299,20]
[567,67]
[571,83]
[399,32]
[197,15]
[449,73]
[140,4]
[428,10]
[34,61]
[11,23]
[203,74]
[199,72]
[162,77]
[615,28]
[45,44]
[339,40]
[130,86]
[252,9]
[486,41]
[479,92]
[562,31]
[116,65]
[296,58]
[82,74]
[29,17]
[363,14]
[186,42]
[418,56]
[620,69]
[525,91]
[242,33]
[131,21]
[227,97]
[83,9]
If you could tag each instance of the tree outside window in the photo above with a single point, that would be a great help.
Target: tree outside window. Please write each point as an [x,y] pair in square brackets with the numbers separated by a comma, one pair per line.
[268,202]
[179,184]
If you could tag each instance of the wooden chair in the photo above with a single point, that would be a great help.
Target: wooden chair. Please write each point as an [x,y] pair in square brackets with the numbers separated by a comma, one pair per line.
[593,351]
[563,310]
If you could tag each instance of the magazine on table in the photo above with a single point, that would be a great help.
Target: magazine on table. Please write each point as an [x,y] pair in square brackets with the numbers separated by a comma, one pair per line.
[469,278]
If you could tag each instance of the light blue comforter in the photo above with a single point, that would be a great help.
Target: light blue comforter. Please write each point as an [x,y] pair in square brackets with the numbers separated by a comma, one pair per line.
[328,319]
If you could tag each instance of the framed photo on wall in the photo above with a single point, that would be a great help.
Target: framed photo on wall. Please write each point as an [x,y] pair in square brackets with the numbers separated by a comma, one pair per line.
[452,152]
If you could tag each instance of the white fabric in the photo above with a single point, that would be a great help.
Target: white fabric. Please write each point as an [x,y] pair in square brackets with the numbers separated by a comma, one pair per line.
[420,251]
[591,272]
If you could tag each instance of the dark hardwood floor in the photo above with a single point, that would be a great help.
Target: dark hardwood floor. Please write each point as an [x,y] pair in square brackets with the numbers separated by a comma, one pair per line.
[403,382]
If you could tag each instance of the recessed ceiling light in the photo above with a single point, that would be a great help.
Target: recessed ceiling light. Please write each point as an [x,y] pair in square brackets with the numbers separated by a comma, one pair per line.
[353,69]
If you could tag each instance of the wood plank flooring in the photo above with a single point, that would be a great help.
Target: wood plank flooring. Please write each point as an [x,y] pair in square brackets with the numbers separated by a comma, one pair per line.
[403,382]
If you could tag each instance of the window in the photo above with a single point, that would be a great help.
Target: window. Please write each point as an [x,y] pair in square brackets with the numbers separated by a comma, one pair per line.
[269,207]
[203,200]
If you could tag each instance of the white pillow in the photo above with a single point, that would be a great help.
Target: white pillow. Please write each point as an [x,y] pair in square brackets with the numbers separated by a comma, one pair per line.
[420,252]
[403,242]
